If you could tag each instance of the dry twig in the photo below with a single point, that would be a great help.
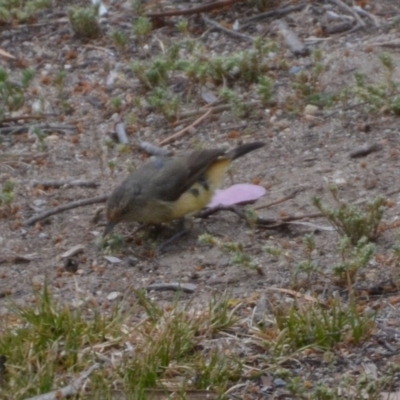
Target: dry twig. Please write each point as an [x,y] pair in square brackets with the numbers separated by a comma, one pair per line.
[43,127]
[69,390]
[279,12]
[65,207]
[184,131]
[58,184]
[348,9]
[194,10]
[229,32]
[175,286]
[282,200]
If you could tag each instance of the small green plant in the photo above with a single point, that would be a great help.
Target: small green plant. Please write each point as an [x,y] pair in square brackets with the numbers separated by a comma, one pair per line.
[383,95]
[235,249]
[351,220]
[142,28]
[113,243]
[112,165]
[12,94]
[120,39]
[138,7]
[52,340]
[353,258]
[182,26]
[7,193]
[21,11]
[308,265]
[154,74]
[307,86]
[59,80]
[238,106]
[265,89]
[162,100]
[314,325]
[41,136]
[84,21]
[116,104]
[123,148]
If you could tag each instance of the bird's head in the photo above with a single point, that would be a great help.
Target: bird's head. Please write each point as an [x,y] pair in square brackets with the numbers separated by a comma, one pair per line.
[120,205]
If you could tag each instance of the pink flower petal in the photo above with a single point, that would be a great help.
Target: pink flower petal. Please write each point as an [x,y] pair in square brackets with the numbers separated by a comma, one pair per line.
[237,194]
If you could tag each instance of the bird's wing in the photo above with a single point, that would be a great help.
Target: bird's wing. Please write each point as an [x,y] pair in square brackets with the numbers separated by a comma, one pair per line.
[171,177]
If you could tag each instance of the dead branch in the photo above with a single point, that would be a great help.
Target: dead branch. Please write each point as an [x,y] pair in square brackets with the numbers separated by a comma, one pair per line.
[282,200]
[279,12]
[292,40]
[25,156]
[269,223]
[229,32]
[348,9]
[184,131]
[194,10]
[215,110]
[65,207]
[69,390]
[365,13]
[58,184]
[21,118]
[175,286]
[43,127]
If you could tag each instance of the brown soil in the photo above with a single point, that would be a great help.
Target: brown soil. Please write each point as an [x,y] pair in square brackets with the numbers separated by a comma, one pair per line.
[302,151]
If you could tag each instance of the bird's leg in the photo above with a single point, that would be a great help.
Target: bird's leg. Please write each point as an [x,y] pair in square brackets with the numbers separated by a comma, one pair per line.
[184,227]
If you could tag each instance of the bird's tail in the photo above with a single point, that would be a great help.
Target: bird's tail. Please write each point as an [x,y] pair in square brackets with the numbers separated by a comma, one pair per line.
[244,149]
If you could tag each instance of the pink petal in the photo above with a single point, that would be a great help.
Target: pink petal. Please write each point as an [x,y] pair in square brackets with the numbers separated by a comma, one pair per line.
[237,194]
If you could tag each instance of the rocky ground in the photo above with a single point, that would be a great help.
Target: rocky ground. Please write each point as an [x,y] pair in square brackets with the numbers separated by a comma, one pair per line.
[307,150]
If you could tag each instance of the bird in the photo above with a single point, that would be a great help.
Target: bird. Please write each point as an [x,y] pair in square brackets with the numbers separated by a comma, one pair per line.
[170,188]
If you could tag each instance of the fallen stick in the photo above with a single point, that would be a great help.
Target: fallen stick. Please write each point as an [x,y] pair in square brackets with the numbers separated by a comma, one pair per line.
[279,12]
[65,207]
[184,131]
[347,8]
[69,390]
[215,110]
[282,200]
[194,10]
[174,286]
[229,32]
[43,127]
[58,184]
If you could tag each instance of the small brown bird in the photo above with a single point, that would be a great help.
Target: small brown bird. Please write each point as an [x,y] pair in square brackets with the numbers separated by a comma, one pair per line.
[168,188]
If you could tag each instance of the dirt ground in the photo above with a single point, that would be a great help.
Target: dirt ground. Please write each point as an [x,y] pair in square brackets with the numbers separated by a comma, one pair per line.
[303,151]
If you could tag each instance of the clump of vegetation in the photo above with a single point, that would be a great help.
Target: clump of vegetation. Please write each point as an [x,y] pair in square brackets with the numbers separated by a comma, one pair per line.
[307,85]
[142,28]
[319,326]
[235,249]
[21,11]
[46,343]
[7,193]
[353,258]
[249,66]
[382,96]
[353,221]
[84,21]
[12,94]
[120,39]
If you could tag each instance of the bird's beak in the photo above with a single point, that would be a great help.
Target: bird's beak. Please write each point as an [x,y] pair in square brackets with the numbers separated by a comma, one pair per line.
[109,227]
